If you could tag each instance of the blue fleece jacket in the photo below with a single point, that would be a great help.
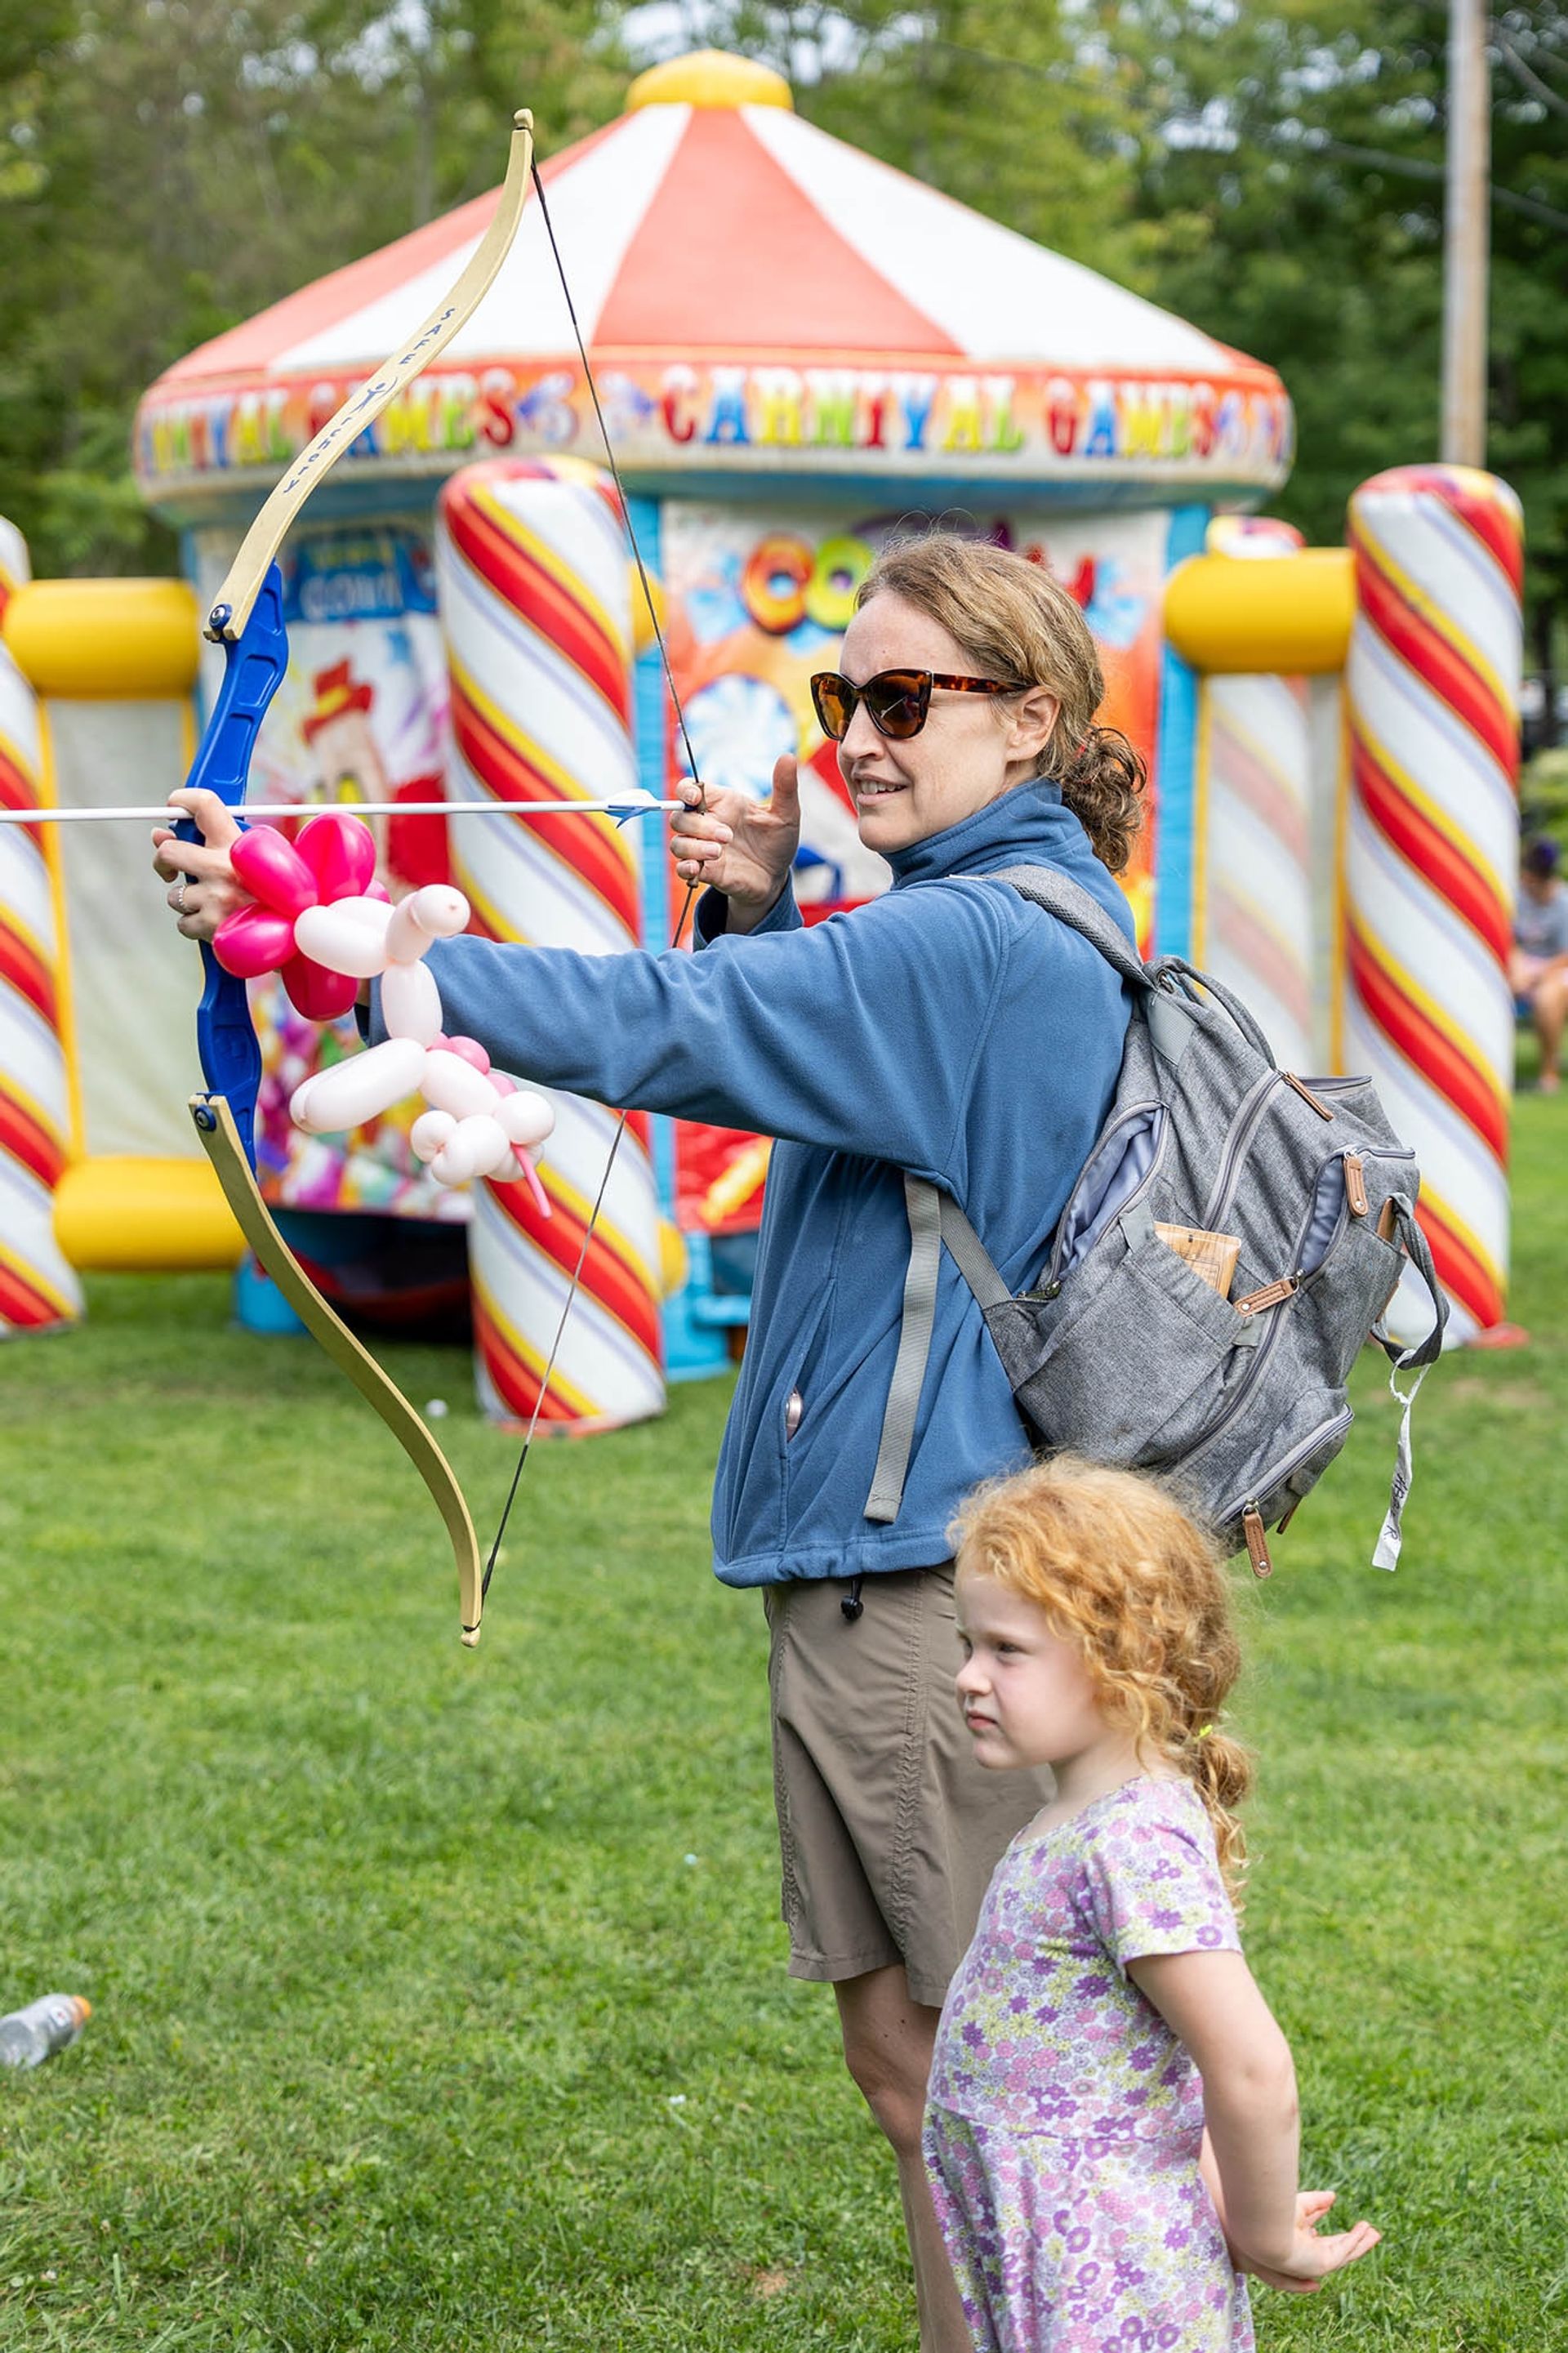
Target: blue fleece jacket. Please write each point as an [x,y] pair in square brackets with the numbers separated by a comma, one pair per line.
[948,1027]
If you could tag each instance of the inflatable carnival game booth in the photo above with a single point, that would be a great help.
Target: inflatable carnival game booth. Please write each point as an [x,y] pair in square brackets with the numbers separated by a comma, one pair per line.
[798,352]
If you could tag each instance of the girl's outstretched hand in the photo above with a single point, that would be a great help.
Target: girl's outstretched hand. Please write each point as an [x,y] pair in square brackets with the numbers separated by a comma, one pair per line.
[1315,2255]
[738,846]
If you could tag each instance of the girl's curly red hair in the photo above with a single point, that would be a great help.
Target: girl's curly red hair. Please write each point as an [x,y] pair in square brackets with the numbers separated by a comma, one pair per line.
[1121,1571]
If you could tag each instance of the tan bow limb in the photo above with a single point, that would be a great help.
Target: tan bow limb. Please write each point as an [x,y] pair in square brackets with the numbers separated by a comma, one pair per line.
[214,1125]
[231,608]
[231,611]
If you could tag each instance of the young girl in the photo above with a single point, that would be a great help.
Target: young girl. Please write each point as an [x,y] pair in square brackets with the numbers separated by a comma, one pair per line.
[1103,2013]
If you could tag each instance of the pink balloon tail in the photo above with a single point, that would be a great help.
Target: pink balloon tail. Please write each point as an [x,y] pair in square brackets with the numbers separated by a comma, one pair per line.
[531,1178]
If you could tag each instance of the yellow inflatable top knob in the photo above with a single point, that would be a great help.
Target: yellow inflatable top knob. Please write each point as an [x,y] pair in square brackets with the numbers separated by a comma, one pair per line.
[709,77]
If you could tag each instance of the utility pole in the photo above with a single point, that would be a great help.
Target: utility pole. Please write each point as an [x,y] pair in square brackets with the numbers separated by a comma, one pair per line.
[1467,237]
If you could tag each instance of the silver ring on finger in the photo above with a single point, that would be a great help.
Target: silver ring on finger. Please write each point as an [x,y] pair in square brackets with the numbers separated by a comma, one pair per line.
[177,896]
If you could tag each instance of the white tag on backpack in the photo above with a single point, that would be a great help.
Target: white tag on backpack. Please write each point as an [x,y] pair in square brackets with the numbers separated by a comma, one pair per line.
[1392,1535]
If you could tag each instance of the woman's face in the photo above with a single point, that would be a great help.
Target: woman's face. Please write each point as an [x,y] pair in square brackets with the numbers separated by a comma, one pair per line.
[972,749]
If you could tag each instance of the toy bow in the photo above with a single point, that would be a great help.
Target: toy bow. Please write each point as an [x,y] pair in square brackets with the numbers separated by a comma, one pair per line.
[246,620]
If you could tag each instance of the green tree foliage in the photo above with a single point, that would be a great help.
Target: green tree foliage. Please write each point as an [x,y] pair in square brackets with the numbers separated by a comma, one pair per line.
[169,167]
[1284,244]
[1299,169]
[1273,172]
[1029,114]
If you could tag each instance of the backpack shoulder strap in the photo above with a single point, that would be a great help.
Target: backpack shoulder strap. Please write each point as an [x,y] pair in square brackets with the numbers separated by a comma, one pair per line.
[1168,1014]
[1071,905]
[935,1218]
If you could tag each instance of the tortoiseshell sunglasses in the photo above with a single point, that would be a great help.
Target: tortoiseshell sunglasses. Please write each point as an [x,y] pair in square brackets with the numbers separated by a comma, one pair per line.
[897,701]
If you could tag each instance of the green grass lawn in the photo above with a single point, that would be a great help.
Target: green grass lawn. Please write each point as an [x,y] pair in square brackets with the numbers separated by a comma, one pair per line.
[440,1996]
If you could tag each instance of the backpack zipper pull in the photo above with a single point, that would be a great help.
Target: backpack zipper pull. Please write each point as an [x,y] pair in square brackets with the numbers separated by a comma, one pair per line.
[1257,1542]
[1270,1295]
[1307,1095]
[1356,1183]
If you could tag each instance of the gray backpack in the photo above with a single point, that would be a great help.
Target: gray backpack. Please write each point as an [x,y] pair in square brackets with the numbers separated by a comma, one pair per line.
[1232,1239]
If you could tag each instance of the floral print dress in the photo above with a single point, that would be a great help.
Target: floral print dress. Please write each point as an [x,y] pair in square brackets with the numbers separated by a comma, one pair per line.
[1065,2117]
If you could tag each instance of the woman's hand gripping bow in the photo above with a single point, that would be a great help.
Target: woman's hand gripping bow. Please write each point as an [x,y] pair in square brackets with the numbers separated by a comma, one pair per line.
[740,847]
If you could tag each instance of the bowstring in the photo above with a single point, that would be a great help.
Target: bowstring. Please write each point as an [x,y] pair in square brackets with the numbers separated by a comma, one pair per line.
[686,904]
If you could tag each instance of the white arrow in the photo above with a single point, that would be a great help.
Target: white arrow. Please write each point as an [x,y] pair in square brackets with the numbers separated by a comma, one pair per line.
[634,806]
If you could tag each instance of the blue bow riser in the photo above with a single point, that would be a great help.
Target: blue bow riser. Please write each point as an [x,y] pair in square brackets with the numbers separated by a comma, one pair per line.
[253,665]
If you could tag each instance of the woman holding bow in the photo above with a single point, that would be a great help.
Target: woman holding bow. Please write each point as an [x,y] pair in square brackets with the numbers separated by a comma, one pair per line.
[949,1028]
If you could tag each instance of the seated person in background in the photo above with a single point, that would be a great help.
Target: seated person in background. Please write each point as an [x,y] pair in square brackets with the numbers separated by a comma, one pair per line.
[1538,969]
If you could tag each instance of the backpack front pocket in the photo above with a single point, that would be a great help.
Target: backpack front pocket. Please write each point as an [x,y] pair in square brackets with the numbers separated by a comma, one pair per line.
[1286,1465]
[1345,1296]
[1136,1372]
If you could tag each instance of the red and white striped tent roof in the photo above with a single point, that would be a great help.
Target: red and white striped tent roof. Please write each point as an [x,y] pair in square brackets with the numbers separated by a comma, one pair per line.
[755,296]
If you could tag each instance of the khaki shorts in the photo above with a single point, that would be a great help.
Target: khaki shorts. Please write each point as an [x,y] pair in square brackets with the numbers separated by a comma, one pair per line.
[889,1829]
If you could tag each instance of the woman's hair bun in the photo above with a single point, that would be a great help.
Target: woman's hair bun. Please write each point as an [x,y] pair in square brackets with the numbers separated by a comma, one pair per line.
[1102,783]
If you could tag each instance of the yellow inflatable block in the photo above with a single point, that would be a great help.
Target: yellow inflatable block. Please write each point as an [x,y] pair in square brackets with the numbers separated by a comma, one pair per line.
[109,640]
[674,1260]
[709,77]
[1282,615]
[155,1216]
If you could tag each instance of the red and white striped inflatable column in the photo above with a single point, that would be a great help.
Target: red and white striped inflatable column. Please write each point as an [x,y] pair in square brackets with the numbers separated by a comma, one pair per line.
[1255,750]
[535,603]
[1432,847]
[37,1288]
[1258,901]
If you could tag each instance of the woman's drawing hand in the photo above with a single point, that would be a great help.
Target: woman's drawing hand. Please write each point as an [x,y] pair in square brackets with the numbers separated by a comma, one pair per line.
[738,846]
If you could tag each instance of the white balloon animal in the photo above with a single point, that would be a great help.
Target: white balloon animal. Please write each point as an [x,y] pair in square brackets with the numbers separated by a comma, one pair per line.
[481,1122]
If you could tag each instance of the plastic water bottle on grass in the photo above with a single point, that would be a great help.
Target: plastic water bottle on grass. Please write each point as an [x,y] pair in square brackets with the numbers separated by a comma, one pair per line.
[29,2037]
